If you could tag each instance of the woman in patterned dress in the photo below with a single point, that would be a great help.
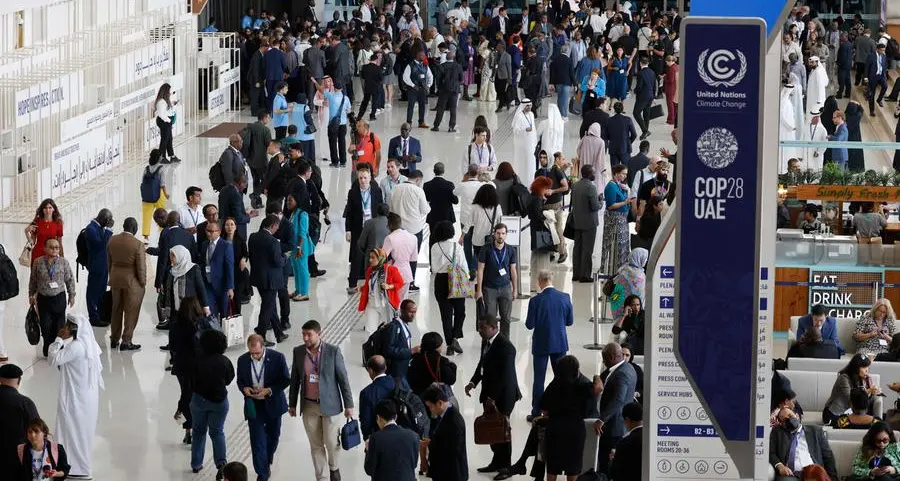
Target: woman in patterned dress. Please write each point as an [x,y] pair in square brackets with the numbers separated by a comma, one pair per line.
[875,328]
[615,228]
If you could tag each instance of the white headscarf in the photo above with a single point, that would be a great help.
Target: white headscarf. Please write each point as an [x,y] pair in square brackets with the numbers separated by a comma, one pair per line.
[552,131]
[182,261]
[91,347]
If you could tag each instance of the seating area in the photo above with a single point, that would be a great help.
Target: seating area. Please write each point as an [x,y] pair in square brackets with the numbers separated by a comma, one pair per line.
[813,389]
[846,328]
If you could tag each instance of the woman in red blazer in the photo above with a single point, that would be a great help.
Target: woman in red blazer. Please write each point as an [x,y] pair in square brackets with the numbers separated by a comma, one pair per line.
[382,287]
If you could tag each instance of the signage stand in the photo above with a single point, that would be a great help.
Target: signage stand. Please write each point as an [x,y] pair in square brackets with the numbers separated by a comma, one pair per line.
[514,229]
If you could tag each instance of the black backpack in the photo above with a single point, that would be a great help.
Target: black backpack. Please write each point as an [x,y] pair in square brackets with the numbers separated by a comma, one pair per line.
[411,411]
[151,183]
[893,49]
[374,345]
[217,177]
[387,65]
[83,256]
[518,199]
[9,279]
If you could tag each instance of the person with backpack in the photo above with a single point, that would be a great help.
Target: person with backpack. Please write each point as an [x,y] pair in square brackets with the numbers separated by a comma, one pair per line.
[154,194]
[480,152]
[97,233]
[40,457]
[450,78]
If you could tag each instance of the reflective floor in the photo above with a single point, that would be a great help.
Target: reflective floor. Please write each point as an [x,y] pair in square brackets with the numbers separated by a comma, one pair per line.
[137,438]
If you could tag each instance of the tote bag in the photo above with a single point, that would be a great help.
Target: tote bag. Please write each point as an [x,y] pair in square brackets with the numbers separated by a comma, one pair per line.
[457,277]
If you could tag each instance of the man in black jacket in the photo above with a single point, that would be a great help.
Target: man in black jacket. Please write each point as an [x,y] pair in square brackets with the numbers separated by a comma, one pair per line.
[621,135]
[817,448]
[371,75]
[450,77]
[256,77]
[267,275]
[16,411]
[644,93]
[447,459]
[363,199]
[627,463]
[562,77]
[440,196]
[496,371]
[258,148]
[392,453]
[532,73]
[618,390]
[595,112]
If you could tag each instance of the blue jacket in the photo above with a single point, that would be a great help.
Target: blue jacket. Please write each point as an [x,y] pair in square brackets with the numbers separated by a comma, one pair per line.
[549,313]
[872,66]
[231,204]
[397,351]
[275,377]
[220,277]
[829,330]
[645,90]
[275,65]
[380,388]
[97,238]
[845,55]
[841,134]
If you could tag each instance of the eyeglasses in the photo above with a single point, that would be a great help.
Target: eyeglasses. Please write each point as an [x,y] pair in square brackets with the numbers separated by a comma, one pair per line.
[884,440]
[212,231]
[52,248]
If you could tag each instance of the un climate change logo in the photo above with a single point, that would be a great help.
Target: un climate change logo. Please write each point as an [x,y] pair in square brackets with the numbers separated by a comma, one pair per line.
[714,68]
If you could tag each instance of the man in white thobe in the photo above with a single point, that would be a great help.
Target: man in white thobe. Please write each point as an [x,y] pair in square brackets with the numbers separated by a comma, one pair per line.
[77,356]
[525,141]
[817,82]
[787,128]
[814,131]
[797,101]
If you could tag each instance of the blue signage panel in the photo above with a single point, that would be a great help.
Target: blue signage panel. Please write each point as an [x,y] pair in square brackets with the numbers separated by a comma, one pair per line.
[768,10]
[717,251]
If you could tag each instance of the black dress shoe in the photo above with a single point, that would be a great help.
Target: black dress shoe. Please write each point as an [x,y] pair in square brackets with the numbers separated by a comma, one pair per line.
[195,470]
[488,469]
[129,346]
[163,326]
[219,474]
[187,438]
[113,344]
[287,324]
[456,347]
[413,288]
[97,323]
[164,348]
[504,474]
[517,469]
[268,343]
[529,418]
[281,338]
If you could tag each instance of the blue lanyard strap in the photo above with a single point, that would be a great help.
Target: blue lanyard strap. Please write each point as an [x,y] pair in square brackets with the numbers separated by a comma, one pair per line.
[51,268]
[501,261]
[366,198]
[258,375]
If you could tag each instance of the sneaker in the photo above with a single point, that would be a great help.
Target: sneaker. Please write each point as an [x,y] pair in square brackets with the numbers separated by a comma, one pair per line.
[452,130]
[351,290]
[378,111]
[388,106]
[435,129]
[413,288]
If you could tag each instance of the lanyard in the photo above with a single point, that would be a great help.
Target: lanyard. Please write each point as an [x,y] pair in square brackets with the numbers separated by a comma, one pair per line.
[530,123]
[40,466]
[258,375]
[876,461]
[480,150]
[366,199]
[51,268]
[501,261]
[194,216]
[315,359]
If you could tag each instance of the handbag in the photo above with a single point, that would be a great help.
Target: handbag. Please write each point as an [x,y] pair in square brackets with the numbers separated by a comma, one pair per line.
[32,327]
[489,238]
[575,104]
[543,241]
[310,123]
[25,256]
[350,435]
[163,309]
[656,111]
[609,286]
[569,229]
[457,277]
[334,123]
[492,427]
[233,327]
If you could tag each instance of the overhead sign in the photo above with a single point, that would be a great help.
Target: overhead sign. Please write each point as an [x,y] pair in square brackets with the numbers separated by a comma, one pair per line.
[716,284]
[773,12]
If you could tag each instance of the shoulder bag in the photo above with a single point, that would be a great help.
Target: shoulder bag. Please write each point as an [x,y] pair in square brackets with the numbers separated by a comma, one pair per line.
[458,278]
[32,327]
[489,238]
[25,256]
[334,123]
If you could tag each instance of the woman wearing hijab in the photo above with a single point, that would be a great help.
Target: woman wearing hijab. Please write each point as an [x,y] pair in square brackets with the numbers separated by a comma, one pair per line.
[552,131]
[629,280]
[78,360]
[592,151]
[853,115]
[184,280]
[826,118]
[380,294]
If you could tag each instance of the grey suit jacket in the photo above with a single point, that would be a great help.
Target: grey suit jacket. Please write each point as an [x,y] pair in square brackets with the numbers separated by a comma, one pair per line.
[585,205]
[233,164]
[504,67]
[314,59]
[334,385]
[618,390]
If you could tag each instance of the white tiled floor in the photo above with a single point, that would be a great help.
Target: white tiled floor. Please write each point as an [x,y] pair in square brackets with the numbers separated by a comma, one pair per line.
[137,438]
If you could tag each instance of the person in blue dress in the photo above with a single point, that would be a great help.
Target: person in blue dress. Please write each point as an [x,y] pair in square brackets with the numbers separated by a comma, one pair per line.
[280,111]
[301,248]
[298,118]
[617,86]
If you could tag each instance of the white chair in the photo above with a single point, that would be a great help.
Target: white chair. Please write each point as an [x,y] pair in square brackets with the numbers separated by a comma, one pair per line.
[813,390]
[889,371]
[846,328]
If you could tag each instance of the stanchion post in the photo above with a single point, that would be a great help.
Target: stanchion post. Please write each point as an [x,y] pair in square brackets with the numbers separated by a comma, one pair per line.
[595,307]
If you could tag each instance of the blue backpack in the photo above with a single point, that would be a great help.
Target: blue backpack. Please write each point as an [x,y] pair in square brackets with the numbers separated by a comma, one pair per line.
[151,183]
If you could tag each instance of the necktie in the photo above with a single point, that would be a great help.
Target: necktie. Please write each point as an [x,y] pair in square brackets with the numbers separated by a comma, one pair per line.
[485,348]
[209,252]
[792,451]
[404,147]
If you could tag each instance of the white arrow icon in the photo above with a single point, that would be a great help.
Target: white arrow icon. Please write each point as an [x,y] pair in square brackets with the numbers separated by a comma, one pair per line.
[666,271]
[664,430]
[665,301]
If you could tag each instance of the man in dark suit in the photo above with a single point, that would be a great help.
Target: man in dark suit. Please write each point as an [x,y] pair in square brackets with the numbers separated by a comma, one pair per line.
[378,390]
[585,205]
[618,390]
[550,312]
[216,259]
[98,233]
[595,113]
[785,455]
[399,346]
[267,275]
[447,459]
[440,196]
[283,234]
[449,84]
[639,162]
[876,65]
[258,149]
[392,452]
[262,377]
[406,149]
[644,93]
[363,200]
[256,78]
[231,204]
[127,280]
[500,23]
[819,317]
[812,346]
[497,370]
[211,214]
[621,135]
[175,235]
[16,411]
[627,463]
[844,64]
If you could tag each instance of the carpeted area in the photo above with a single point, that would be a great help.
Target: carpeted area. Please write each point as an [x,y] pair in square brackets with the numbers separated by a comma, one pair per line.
[224,130]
